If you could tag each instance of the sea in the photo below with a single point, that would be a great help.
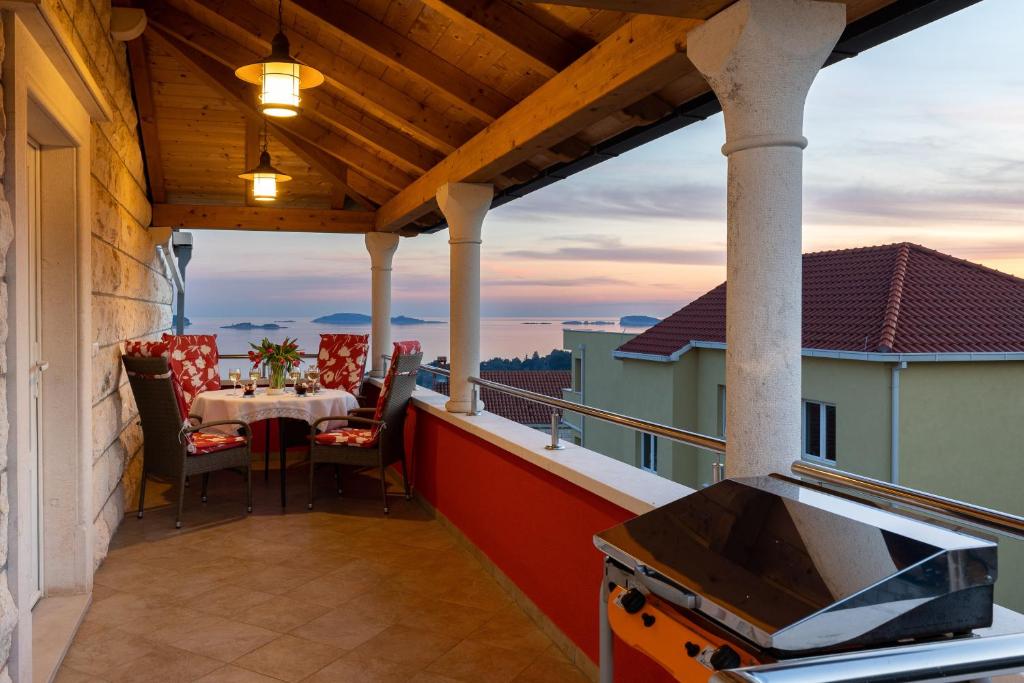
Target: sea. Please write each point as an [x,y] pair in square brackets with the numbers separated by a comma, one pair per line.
[499,337]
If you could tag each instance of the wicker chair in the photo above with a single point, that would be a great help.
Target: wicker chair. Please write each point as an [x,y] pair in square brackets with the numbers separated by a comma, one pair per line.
[173,447]
[370,442]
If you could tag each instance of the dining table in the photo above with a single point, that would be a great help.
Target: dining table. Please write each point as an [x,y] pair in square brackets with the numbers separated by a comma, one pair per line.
[232,404]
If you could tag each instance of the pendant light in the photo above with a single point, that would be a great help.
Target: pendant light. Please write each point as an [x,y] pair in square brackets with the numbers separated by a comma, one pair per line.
[279,75]
[264,176]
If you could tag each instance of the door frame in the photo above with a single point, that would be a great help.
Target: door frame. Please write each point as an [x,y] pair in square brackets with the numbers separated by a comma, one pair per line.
[43,100]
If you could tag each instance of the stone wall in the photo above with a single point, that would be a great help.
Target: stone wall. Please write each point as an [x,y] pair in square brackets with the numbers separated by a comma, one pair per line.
[131,296]
[8,611]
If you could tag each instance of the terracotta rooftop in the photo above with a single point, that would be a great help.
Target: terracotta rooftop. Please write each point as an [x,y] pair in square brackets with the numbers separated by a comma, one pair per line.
[895,298]
[547,382]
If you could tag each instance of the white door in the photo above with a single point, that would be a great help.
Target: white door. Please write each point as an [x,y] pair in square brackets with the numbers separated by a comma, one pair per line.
[37,367]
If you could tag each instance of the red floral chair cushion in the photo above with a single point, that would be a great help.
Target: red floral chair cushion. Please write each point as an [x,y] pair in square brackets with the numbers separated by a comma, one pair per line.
[348,436]
[400,348]
[193,360]
[342,360]
[208,442]
[136,348]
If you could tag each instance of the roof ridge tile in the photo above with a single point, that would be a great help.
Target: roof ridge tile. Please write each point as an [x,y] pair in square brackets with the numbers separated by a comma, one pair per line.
[892,307]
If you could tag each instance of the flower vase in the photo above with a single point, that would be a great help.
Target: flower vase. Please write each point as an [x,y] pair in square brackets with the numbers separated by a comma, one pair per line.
[277,379]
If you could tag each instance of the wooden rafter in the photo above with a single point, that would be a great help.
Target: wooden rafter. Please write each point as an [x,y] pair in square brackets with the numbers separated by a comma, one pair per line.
[685,9]
[142,82]
[631,63]
[398,52]
[379,107]
[546,52]
[261,218]
[304,137]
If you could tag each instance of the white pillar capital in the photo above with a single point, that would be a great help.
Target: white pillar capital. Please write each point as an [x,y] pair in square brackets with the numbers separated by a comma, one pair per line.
[382,247]
[760,57]
[464,206]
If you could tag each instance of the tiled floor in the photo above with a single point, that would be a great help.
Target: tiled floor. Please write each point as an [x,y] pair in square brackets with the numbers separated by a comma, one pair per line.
[338,594]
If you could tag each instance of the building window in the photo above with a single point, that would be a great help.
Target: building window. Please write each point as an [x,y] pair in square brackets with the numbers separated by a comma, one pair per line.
[649,453]
[721,410]
[819,431]
[577,373]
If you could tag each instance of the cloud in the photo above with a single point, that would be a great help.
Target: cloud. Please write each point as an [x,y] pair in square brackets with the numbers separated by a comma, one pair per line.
[567,282]
[612,249]
[640,198]
[936,207]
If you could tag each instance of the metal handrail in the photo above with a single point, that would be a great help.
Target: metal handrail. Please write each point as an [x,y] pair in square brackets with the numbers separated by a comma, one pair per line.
[245,356]
[965,659]
[973,515]
[708,443]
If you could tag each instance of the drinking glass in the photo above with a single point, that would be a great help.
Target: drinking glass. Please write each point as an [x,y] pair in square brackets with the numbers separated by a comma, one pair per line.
[294,375]
[254,376]
[234,374]
[313,375]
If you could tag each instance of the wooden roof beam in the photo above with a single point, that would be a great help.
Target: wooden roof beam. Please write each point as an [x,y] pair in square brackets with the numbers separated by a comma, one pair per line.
[545,51]
[143,86]
[291,131]
[684,9]
[407,56]
[366,91]
[633,62]
[261,218]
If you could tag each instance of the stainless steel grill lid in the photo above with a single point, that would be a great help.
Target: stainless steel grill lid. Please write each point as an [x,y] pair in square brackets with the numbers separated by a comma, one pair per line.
[794,569]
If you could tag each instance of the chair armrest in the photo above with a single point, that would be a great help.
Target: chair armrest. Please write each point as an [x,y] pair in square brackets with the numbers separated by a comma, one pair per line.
[243,425]
[359,411]
[348,418]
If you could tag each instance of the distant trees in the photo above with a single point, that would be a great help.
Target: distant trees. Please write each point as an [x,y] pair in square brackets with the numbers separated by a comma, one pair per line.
[556,360]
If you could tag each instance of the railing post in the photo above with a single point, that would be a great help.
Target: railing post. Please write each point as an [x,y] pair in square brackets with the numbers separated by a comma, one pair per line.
[717,469]
[556,421]
[474,398]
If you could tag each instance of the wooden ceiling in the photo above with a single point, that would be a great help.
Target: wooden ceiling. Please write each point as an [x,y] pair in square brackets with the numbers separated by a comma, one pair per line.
[417,93]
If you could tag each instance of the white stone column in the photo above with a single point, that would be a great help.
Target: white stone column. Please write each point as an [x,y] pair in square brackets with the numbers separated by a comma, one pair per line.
[760,57]
[382,246]
[464,206]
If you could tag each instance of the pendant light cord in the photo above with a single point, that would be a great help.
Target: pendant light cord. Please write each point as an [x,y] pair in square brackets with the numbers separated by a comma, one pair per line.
[264,134]
[280,16]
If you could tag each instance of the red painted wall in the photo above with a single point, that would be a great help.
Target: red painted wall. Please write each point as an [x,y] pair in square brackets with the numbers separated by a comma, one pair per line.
[537,527]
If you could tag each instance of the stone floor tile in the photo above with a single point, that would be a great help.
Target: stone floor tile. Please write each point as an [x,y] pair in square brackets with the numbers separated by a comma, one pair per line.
[472,661]
[513,630]
[100,650]
[365,670]
[234,674]
[227,601]
[406,645]
[281,613]
[164,665]
[225,640]
[446,618]
[551,670]
[289,658]
[341,628]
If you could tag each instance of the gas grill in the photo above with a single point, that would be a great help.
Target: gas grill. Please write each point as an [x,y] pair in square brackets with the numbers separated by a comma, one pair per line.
[768,569]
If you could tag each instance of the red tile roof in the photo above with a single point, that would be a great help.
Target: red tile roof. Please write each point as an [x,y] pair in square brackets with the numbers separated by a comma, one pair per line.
[547,382]
[898,298]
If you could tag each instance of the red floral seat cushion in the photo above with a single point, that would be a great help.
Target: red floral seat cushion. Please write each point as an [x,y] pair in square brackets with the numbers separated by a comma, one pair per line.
[342,360]
[193,360]
[209,442]
[348,436]
[401,348]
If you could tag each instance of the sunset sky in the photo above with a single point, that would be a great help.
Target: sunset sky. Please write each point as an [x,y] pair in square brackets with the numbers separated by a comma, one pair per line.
[921,139]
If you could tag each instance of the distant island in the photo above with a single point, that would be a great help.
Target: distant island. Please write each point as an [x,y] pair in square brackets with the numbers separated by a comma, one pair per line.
[587,322]
[251,326]
[558,359]
[536,323]
[361,319]
[284,321]
[638,321]
[187,321]
[406,320]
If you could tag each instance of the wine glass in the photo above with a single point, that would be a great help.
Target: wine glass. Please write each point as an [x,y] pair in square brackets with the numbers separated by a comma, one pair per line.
[313,374]
[254,377]
[294,375]
[234,374]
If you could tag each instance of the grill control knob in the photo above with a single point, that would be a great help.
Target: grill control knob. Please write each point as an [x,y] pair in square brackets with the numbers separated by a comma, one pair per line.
[632,601]
[648,619]
[692,649]
[724,658]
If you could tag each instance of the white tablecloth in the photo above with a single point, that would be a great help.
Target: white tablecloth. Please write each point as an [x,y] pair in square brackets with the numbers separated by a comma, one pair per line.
[226,404]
